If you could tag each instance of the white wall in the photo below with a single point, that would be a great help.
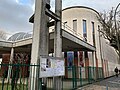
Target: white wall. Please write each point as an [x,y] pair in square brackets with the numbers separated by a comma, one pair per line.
[109,56]
[89,15]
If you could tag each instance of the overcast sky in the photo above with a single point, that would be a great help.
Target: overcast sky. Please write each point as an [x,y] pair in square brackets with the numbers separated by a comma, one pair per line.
[15,14]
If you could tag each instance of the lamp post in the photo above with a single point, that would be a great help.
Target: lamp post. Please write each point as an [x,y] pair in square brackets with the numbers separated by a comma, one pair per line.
[117,32]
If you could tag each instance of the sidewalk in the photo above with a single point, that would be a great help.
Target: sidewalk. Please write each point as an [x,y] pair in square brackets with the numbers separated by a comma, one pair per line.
[112,83]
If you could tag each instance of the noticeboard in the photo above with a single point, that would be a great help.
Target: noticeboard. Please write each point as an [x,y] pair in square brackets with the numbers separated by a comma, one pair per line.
[51,66]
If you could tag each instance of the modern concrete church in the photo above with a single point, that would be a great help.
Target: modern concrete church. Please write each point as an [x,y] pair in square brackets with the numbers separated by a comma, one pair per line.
[81,41]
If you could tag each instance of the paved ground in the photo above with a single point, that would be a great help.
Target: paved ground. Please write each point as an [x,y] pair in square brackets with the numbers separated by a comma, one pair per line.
[112,83]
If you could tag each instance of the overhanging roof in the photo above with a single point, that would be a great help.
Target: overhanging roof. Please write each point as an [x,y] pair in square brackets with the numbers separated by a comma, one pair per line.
[76,43]
[69,43]
[5,46]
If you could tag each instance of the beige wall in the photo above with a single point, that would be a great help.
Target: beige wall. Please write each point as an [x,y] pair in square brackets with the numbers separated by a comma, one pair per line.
[80,13]
[109,55]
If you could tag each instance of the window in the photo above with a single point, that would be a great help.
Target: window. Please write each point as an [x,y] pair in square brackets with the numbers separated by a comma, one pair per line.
[84,30]
[93,28]
[75,25]
[93,33]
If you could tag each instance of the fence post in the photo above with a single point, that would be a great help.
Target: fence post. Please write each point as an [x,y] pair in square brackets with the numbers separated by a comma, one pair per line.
[95,74]
[80,76]
[4,74]
[102,73]
[74,78]
[88,74]
[62,83]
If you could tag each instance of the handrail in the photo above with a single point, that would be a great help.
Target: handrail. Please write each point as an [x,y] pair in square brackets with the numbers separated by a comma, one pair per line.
[64,27]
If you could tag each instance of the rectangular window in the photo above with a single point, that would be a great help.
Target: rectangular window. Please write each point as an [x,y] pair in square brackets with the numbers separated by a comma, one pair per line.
[85,30]
[93,28]
[75,25]
[93,33]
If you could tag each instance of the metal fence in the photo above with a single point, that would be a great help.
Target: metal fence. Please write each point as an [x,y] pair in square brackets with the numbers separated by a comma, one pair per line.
[79,76]
[17,77]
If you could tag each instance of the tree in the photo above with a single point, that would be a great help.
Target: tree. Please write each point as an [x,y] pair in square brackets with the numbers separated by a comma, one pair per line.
[110,30]
[3,35]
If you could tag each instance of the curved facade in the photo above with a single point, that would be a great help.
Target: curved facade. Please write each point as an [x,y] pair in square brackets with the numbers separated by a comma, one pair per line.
[80,14]
[82,22]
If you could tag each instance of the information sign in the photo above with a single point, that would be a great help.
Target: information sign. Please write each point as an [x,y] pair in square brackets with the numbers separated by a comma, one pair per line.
[51,66]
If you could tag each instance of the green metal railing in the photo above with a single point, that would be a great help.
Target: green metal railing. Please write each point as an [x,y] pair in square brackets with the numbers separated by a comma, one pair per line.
[18,77]
[15,76]
[80,76]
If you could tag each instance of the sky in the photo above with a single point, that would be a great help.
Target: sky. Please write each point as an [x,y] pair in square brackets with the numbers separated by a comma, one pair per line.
[15,14]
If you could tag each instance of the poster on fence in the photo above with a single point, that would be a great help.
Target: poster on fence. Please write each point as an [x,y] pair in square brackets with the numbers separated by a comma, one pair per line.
[51,66]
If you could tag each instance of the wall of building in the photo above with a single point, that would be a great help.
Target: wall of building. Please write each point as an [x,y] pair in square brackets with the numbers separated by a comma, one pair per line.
[110,58]
[106,53]
[80,14]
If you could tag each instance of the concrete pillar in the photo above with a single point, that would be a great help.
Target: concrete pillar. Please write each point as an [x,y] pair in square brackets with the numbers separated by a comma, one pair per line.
[58,42]
[10,62]
[40,41]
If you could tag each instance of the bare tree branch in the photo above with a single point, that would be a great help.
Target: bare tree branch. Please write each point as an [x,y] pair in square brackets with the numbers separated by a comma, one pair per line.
[3,35]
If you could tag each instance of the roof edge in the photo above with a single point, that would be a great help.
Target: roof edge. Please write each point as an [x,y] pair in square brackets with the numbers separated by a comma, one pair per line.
[81,7]
[31,19]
